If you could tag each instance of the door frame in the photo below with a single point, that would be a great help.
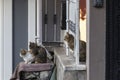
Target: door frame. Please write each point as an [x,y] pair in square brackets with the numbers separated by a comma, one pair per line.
[6,39]
[96,40]
[1,39]
[112,40]
[6,35]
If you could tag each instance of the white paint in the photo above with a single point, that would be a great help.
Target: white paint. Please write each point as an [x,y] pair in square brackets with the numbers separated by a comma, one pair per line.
[34,16]
[39,20]
[7,42]
[67,14]
[1,40]
[77,33]
[31,21]
[73,15]
[67,21]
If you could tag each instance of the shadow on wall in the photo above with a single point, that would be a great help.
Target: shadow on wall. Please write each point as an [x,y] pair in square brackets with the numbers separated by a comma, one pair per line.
[82,9]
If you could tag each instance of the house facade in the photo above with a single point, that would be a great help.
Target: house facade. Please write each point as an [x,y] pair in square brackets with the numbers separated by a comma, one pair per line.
[18,26]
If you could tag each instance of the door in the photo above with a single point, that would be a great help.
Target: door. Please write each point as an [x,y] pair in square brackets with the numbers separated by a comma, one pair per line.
[51,20]
[113,40]
[20,29]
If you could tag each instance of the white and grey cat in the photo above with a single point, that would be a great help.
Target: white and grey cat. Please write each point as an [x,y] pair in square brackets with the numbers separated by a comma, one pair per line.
[36,54]
[27,56]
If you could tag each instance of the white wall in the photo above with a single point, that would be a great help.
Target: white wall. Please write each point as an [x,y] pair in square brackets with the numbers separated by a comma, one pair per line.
[1,39]
[31,20]
[5,39]
[96,35]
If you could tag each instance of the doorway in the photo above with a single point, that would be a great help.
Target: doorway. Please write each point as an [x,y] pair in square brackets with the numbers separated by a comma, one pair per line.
[113,40]
[51,11]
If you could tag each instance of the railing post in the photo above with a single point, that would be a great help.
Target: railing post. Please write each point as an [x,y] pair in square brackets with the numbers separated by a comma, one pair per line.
[77,36]
[67,21]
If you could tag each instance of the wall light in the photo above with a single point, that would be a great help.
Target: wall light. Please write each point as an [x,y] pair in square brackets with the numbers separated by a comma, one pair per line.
[98,3]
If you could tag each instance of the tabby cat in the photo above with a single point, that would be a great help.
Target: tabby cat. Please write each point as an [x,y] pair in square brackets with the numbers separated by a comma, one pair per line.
[39,52]
[69,38]
[36,54]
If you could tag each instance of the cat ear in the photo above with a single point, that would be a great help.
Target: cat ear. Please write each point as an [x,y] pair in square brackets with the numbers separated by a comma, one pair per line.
[30,42]
[24,50]
[67,33]
[21,49]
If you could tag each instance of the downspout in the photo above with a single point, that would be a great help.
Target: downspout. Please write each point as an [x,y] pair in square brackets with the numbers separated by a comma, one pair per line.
[39,21]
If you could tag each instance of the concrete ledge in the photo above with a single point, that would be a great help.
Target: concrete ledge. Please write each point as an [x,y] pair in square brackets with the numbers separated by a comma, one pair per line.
[67,62]
[66,67]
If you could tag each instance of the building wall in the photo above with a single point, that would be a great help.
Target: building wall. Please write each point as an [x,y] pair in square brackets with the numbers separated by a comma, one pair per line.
[96,31]
[6,39]
[95,37]
[20,29]
[1,39]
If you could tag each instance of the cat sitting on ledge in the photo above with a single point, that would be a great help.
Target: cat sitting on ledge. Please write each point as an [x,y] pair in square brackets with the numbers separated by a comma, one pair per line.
[69,38]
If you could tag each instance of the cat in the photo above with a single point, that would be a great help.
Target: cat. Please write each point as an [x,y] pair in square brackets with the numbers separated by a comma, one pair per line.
[41,57]
[39,52]
[27,56]
[69,38]
[34,45]
[36,54]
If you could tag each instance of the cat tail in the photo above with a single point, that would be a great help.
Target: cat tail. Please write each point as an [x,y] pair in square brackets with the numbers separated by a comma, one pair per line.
[48,54]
